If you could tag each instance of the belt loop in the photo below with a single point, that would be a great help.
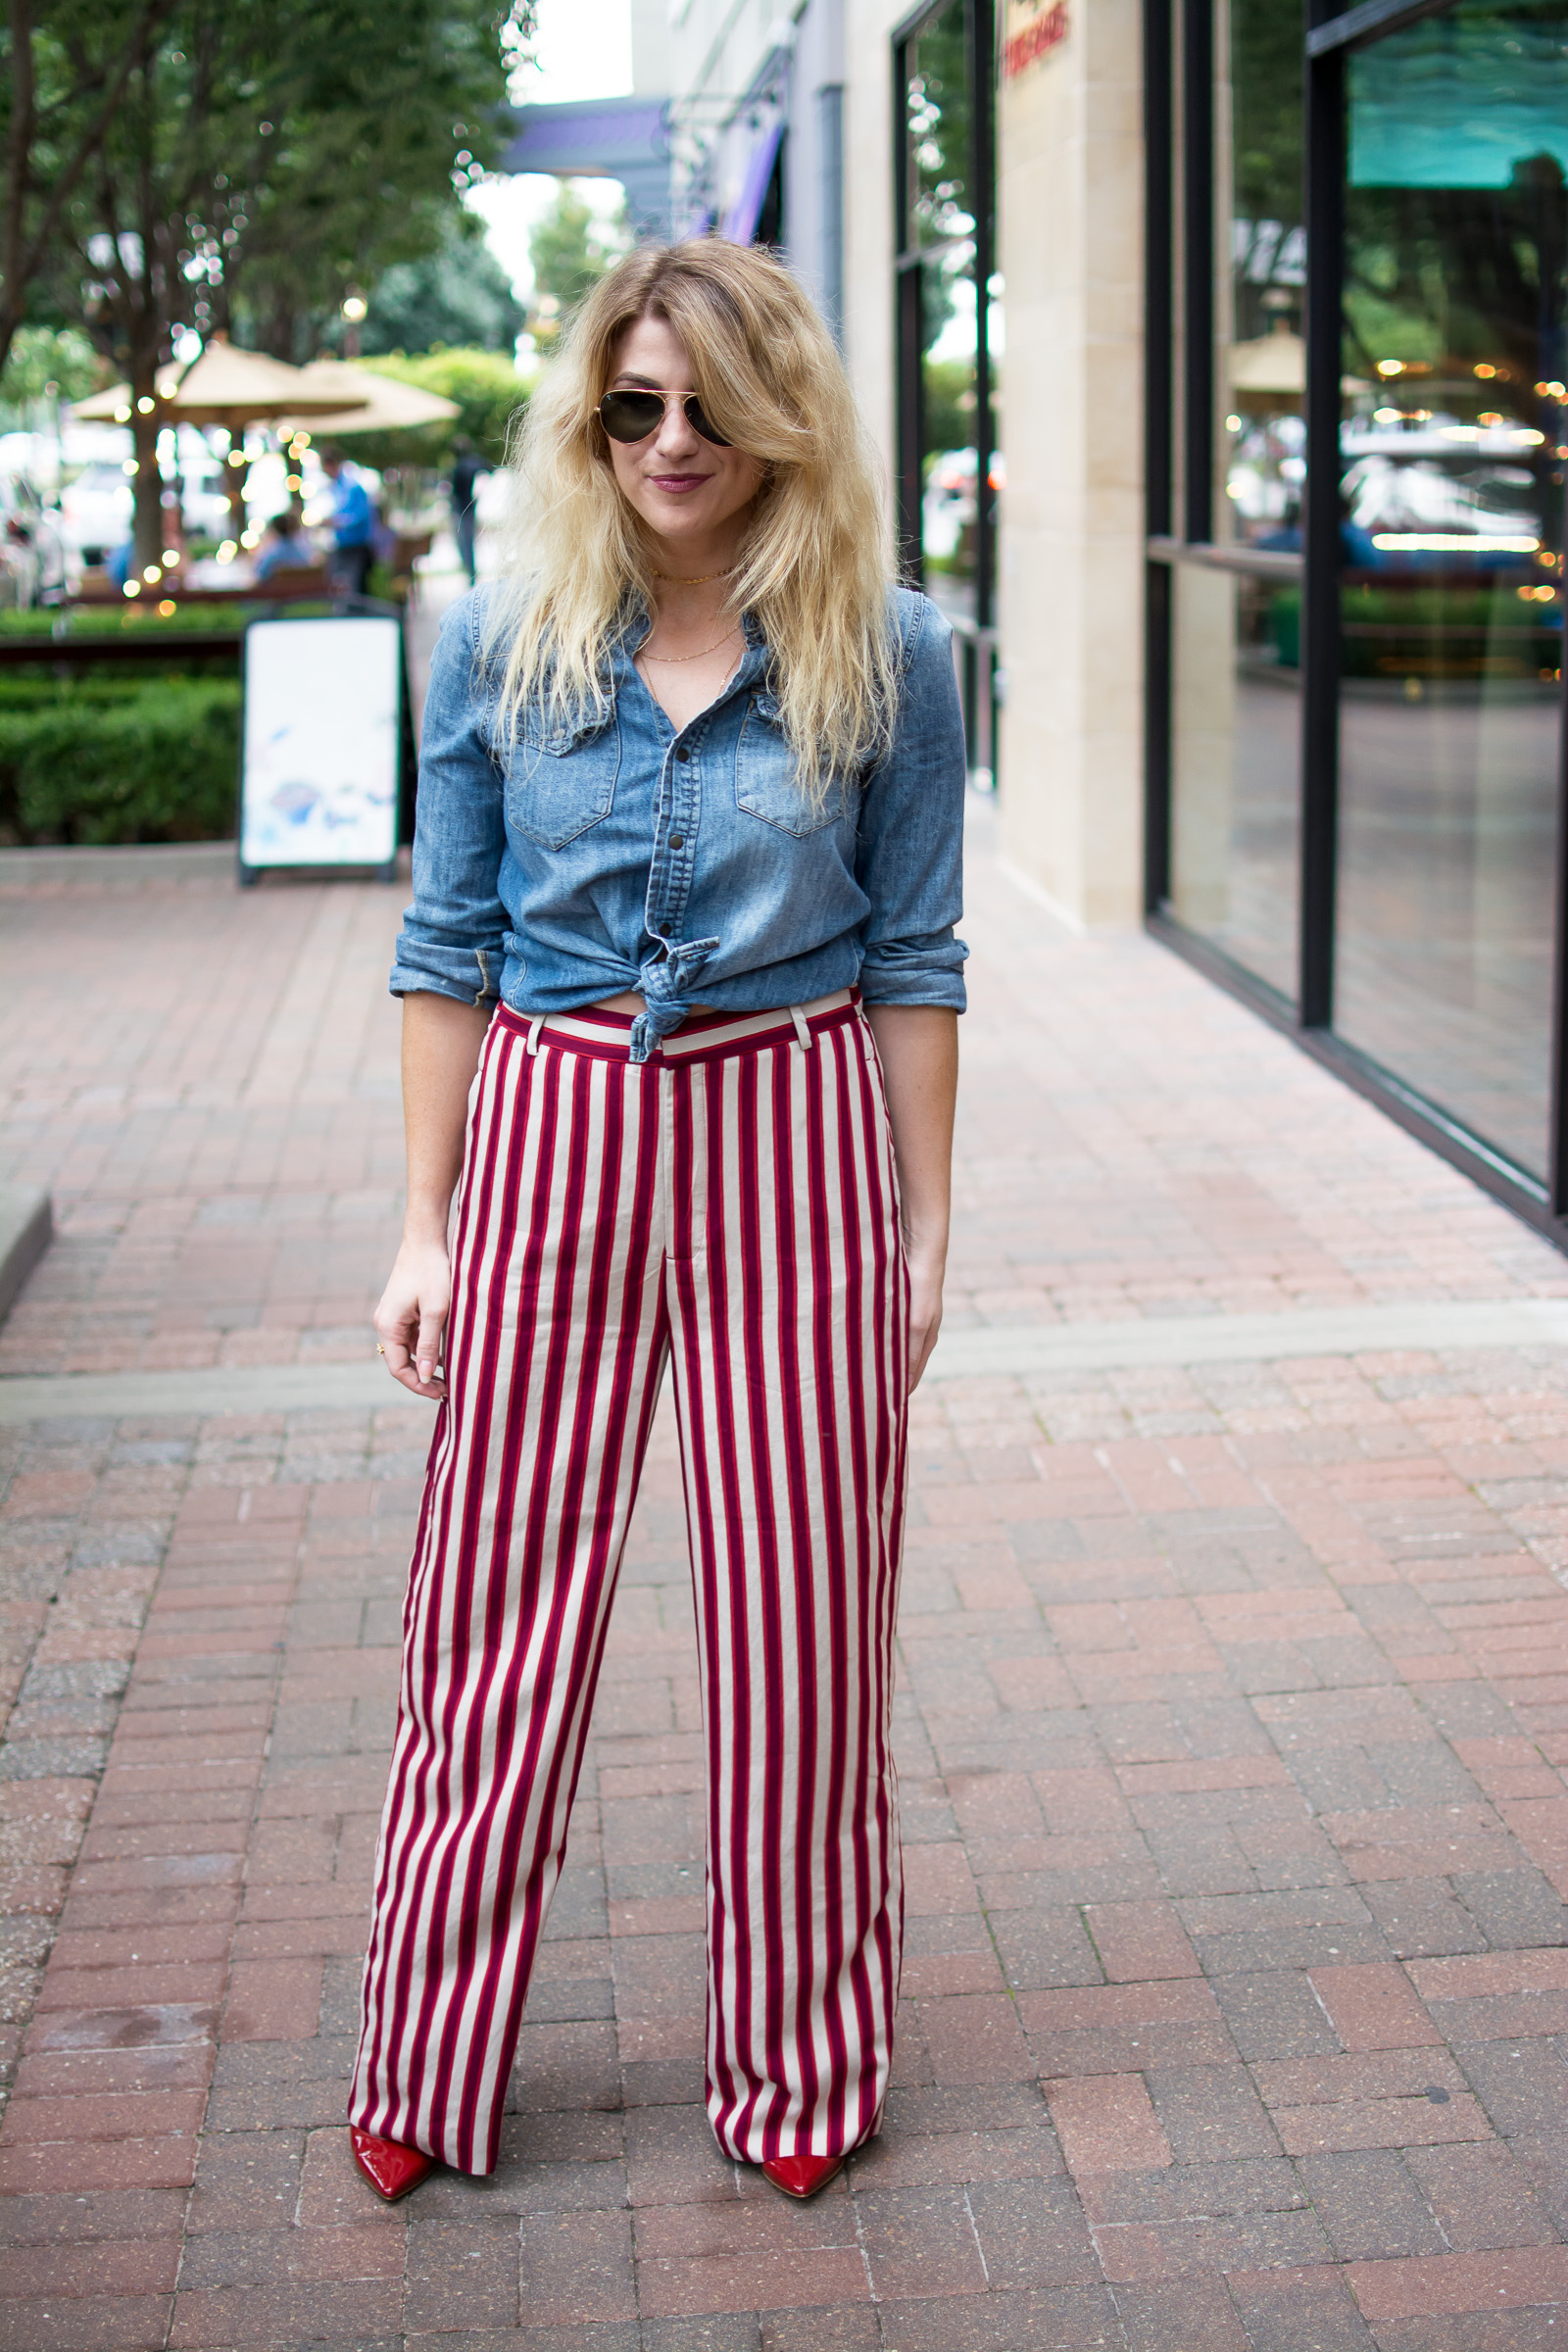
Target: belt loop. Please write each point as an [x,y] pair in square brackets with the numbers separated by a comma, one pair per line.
[534,1027]
[801,1030]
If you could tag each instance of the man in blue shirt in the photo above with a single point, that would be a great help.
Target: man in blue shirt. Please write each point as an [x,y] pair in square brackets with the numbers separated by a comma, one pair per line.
[353,524]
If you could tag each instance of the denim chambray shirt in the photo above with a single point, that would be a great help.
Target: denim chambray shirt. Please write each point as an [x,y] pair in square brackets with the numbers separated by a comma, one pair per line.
[622,855]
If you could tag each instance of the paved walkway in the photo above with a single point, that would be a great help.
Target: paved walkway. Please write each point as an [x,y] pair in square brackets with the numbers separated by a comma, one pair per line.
[1232,1712]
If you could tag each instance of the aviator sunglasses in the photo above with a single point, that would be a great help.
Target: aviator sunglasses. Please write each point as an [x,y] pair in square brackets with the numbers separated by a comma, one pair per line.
[632,416]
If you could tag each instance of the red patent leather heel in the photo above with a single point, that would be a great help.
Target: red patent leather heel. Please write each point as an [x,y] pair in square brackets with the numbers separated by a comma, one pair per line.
[801,2176]
[391,2169]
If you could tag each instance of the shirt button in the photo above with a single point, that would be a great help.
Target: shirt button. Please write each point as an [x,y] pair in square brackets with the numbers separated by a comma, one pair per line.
[677,841]
[683,752]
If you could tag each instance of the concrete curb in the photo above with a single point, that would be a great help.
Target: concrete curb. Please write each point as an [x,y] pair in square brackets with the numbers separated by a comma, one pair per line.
[126,862]
[27,1228]
[1017,1351]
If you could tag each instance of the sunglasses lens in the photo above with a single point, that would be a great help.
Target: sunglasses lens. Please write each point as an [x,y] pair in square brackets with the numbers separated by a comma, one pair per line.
[631,416]
[697,419]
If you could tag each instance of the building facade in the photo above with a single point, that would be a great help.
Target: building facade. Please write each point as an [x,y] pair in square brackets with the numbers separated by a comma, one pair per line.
[1218,361]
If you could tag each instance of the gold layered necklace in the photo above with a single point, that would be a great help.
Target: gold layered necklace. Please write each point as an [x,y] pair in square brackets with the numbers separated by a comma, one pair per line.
[669,660]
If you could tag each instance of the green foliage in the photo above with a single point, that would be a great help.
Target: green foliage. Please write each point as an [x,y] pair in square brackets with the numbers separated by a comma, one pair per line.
[382,113]
[1266,95]
[460,296]
[938,107]
[1385,317]
[268,157]
[938,120]
[111,620]
[65,68]
[156,763]
[570,250]
[46,354]
[488,391]
[949,403]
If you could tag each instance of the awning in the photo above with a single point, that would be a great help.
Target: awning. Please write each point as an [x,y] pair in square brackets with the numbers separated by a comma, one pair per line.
[739,222]
[601,139]
[588,139]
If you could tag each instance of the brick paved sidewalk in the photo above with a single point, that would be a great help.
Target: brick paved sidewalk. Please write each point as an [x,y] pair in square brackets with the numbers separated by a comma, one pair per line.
[1233,1710]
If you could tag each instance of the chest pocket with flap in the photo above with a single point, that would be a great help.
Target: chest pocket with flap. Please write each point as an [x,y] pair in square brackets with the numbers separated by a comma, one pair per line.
[764,775]
[563,779]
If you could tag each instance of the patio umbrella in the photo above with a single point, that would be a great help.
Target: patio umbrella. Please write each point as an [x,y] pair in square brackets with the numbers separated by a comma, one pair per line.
[364,402]
[231,388]
[114,406]
[1275,363]
[235,388]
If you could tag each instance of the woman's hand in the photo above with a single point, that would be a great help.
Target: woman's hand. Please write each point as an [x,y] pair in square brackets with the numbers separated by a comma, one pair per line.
[925,1311]
[412,1319]
[917,1046]
[441,1042]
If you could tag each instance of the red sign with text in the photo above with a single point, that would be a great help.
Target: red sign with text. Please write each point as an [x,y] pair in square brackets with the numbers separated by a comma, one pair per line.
[1047,31]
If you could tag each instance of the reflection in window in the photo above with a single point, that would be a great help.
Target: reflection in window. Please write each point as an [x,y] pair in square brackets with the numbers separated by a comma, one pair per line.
[1236,645]
[1452,448]
[950,474]
[1264,376]
[1236,765]
[940,228]
[938,120]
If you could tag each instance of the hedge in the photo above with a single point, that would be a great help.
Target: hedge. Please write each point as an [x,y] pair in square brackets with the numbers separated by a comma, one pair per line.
[120,619]
[155,763]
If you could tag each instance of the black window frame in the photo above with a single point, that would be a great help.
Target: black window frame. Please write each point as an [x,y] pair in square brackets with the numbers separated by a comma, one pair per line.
[1179,197]
[976,639]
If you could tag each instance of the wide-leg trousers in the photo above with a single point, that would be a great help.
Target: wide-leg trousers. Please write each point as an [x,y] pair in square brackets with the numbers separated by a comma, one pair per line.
[728,1207]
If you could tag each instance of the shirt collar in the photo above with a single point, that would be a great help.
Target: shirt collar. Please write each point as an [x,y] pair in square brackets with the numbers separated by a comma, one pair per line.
[636,623]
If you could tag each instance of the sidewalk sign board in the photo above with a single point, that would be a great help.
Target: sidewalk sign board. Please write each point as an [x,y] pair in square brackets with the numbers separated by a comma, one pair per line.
[322,742]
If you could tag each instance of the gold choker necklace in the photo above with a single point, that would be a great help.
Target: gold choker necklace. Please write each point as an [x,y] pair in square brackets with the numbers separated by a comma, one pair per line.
[672,580]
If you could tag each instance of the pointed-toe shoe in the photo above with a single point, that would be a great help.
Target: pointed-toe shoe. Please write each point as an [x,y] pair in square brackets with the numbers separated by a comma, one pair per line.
[802,2176]
[391,2169]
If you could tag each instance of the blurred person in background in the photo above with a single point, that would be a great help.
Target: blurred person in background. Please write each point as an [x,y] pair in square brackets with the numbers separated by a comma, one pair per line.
[353,524]
[680,989]
[284,546]
[468,467]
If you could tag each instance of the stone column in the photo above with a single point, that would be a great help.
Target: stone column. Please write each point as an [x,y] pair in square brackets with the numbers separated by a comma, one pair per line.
[1070,165]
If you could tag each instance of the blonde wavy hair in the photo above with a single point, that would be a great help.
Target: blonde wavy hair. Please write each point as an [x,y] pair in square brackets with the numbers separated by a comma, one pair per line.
[813,568]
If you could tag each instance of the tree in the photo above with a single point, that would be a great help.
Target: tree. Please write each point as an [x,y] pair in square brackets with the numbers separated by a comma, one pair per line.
[460,296]
[571,251]
[266,156]
[1266,67]
[367,173]
[68,66]
[45,355]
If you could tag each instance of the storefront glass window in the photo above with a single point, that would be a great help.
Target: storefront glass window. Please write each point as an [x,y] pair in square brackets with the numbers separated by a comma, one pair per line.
[948,333]
[951,471]
[1236,632]
[1454,442]
[1236,765]
[1262,374]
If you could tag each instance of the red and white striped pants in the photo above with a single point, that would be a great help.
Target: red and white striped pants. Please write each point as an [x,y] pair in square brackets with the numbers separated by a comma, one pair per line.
[730,1203]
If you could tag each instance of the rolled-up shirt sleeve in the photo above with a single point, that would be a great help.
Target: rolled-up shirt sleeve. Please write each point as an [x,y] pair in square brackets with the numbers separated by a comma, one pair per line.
[910,854]
[453,938]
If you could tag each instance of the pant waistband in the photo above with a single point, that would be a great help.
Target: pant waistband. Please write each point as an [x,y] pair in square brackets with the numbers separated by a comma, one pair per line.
[591,1030]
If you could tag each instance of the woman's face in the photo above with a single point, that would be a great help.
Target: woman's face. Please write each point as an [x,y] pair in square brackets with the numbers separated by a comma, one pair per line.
[683,487]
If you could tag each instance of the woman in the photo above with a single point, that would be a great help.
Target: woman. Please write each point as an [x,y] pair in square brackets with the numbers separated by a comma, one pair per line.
[686,873]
